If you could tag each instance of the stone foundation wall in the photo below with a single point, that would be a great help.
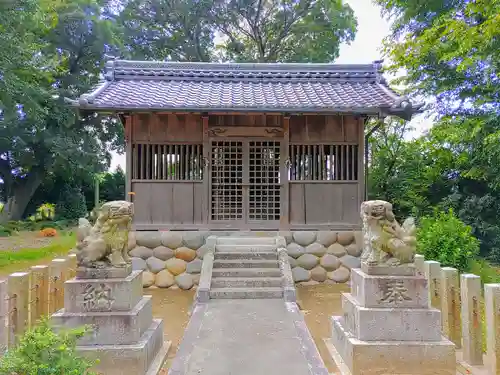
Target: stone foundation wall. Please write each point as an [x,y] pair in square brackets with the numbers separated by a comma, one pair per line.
[173,259]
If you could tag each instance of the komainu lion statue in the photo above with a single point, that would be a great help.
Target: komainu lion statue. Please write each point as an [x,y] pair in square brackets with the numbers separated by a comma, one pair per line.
[385,241]
[106,243]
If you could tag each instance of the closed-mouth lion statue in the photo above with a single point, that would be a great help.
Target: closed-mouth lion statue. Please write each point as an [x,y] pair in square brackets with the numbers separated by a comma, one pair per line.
[385,241]
[105,244]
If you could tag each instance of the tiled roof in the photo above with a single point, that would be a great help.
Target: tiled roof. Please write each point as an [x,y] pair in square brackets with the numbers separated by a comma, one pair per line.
[154,86]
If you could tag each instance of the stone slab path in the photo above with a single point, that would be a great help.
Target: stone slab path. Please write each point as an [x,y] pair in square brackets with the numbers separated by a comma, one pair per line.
[247,337]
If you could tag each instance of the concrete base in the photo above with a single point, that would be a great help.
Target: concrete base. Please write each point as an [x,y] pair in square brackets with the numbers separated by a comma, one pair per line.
[146,357]
[392,357]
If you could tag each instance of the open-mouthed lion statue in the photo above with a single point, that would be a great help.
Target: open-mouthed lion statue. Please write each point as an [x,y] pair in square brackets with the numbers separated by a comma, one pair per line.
[385,241]
[105,244]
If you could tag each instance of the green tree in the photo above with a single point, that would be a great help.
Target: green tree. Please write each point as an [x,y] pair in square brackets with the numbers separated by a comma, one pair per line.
[35,143]
[71,204]
[282,30]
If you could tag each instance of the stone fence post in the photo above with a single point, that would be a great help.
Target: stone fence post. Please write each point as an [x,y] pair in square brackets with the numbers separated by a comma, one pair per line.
[472,332]
[492,309]
[450,307]
[432,271]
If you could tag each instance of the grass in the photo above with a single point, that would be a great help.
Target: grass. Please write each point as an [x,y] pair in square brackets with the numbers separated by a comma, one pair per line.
[60,245]
[488,273]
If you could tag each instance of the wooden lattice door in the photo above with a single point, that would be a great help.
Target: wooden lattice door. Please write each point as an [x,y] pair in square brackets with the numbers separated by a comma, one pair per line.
[245,182]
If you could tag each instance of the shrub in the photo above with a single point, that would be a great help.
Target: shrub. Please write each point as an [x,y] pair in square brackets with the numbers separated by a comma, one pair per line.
[71,204]
[445,238]
[43,351]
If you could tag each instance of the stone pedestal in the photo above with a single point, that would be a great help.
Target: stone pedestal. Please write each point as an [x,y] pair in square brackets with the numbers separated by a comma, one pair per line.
[388,328]
[125,337]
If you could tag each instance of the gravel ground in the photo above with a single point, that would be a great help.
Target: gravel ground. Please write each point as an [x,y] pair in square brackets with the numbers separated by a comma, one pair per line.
[24,240]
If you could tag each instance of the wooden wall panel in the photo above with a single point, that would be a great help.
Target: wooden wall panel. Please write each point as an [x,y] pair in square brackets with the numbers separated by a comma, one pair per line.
[324,128]
[324,203]
[167,128]
[167,203]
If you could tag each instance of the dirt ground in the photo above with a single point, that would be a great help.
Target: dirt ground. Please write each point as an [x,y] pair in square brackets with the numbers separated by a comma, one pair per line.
[318,303]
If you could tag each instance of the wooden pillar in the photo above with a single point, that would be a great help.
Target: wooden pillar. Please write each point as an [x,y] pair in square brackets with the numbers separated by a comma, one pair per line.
[3,316]
[58,274]
[128,156]
[18,285]
[205,203]
[492,309]
[472,332]
[284,170]
[362,190]
[432,271]
[419,264]
[39,293]
[450,286]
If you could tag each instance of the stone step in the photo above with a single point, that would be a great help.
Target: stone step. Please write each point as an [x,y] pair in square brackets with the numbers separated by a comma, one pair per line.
[246,282]
[245,293]
[238,263]
[246,241]
[242,248]
[246,272]
[246,256]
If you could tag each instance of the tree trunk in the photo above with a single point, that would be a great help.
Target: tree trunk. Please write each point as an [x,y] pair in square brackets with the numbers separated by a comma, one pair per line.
[22,194]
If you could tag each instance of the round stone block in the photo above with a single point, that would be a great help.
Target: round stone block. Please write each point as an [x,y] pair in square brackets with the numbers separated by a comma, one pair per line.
[138,264]
[132,242]
[318,274]
[170,239]
[141,252]
[295,250]
[345,238]
[194,266]
[340,275]
[350,262]
[148,279]
[163,252]
[329,262]
[164,279]
[304,238]
[194,240]
[184,281]
[308,261]
[292,261]
[148,239]
[176,266]
[326,237]
[300,274]
[316,249]
[185,253]
[336,249]
[354,249]
[155,265]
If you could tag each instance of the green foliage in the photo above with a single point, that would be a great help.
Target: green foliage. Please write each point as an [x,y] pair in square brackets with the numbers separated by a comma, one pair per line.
[43,351]
[71,204]
[112,186]
[483,269]
[445,238]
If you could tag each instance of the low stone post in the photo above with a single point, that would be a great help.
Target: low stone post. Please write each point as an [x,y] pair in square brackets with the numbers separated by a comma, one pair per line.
[3,315]
[58,274]
[72,265]
[472,332]
[18,285]
[419,264]
[492,309]
[432,271]
[39,293]
[450,286]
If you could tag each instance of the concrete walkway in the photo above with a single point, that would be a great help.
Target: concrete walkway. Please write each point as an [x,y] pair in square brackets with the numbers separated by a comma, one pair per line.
[247,337]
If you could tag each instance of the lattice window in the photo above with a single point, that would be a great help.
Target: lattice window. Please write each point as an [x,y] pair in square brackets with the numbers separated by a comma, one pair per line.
[324,162]
[167,162]
[264,180]
[227,180]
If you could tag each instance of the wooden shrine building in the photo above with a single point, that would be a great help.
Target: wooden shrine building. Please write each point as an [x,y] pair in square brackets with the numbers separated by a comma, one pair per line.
[245,146]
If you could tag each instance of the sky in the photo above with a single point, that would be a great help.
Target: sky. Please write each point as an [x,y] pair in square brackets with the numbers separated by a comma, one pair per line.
[366,48]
